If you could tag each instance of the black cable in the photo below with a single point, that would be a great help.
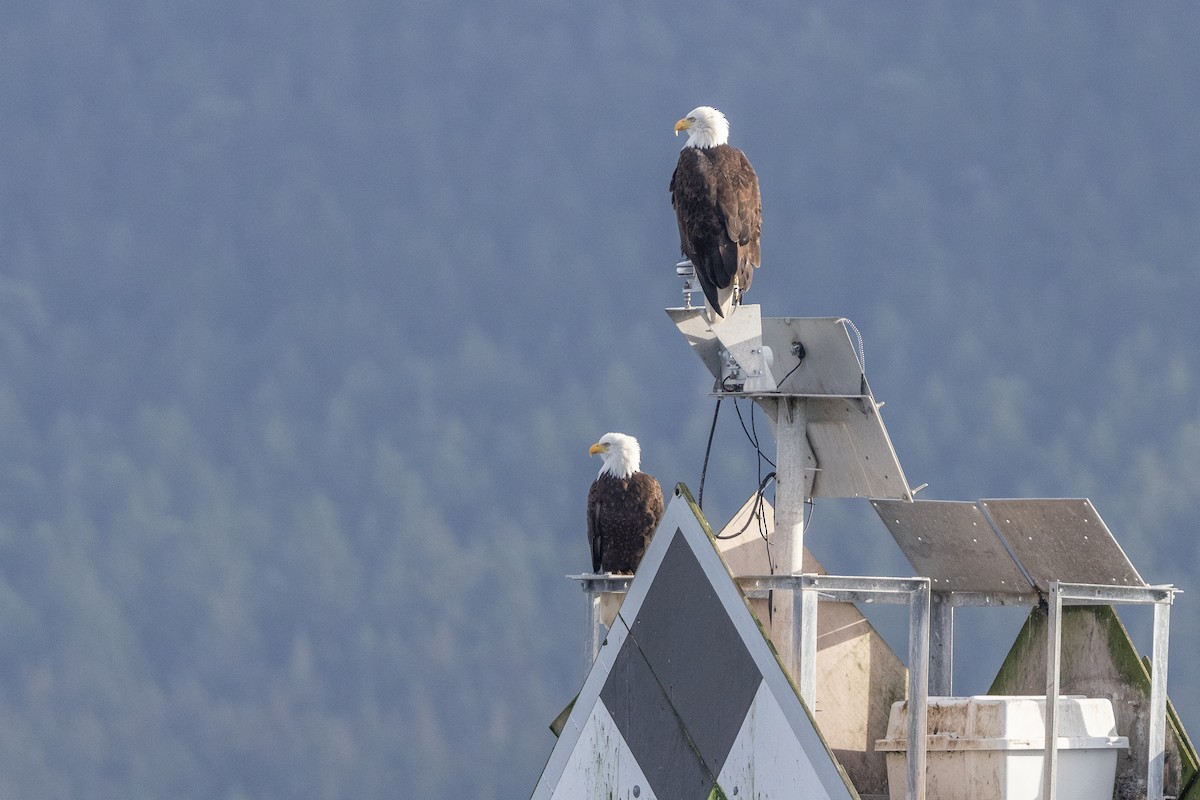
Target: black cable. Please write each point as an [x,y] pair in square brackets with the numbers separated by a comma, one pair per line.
[707,451]
[789,374]
[760,500]
[754,429]
[752,437]
[761,455]
[756,514]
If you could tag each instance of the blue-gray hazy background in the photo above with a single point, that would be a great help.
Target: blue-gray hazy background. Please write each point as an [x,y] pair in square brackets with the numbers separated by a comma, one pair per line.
[310,310]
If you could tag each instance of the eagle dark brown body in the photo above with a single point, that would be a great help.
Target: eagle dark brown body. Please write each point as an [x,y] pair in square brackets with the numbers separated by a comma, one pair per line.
[623,514]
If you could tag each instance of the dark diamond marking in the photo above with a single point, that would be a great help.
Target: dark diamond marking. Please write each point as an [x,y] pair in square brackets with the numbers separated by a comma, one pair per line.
[699,666]
[652,730]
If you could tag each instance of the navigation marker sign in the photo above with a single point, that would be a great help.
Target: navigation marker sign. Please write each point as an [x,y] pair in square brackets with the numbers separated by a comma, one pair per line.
[686,699]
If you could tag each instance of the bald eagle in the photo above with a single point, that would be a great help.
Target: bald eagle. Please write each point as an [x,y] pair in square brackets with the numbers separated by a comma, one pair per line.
[715,194]
[624,506]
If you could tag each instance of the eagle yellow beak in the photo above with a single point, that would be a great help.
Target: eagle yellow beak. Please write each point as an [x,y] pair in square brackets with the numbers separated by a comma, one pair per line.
[682,125]
[597,448]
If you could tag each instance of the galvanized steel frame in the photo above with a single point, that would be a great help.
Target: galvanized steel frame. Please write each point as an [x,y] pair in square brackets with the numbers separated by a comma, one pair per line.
[1161,597]
[830,378]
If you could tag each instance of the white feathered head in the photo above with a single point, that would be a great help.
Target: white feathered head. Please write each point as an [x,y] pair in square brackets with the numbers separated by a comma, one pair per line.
[706,127]
[622,454]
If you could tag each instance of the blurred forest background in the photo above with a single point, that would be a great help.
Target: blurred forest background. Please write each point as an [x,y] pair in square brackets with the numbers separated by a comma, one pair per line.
[310,310]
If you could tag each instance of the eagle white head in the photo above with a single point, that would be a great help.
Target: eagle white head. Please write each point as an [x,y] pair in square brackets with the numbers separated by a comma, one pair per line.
[706,127]
[622,454]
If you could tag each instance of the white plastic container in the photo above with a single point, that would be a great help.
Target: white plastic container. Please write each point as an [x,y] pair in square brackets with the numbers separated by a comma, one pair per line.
[991,748]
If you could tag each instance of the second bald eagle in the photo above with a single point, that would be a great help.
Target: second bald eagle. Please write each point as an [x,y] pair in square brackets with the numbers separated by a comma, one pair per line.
[715,194]
[624,506]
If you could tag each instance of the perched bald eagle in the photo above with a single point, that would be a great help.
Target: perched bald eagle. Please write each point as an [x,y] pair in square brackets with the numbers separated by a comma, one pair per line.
[715,194]
[624,506]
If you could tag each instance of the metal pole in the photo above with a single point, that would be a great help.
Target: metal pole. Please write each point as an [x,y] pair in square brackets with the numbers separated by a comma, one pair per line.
[1053,654]
[792,489]
[594,638]
[1158,701]
[918,690]
[808,644]
[941,645]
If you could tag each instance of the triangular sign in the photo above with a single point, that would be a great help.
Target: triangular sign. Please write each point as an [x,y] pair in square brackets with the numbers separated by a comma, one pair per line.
[686,699]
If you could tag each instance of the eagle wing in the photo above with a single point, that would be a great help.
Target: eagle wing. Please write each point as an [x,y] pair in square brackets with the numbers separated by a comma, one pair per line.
[719,212]
[595,515]
[623,514]
[740,205]
[652,506]
[702,233]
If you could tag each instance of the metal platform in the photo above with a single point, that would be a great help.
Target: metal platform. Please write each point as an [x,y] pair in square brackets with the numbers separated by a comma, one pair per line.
[954,544]
[1054,551]
[1061,540]
[1007,547]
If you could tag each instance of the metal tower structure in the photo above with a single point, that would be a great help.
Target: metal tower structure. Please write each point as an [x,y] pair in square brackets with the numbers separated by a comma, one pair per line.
[808,377]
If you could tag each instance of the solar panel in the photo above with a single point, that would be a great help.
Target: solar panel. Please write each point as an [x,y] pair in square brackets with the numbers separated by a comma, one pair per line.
[953,544]
[1007,546]
[1062,540]
[854,455]
[830,365]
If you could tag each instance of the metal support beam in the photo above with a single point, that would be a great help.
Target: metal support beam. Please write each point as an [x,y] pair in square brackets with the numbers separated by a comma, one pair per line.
[1094,594]
[1158,702]
[807,606]
[941,644]
[918,690]
[839,588]
[1053,654]
[793,488]
[595,634]
[991,599]
[593,585]
[793,484]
